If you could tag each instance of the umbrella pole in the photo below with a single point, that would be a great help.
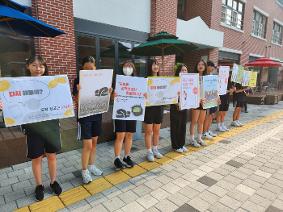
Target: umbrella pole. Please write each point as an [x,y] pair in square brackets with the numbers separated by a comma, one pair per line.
[162,58]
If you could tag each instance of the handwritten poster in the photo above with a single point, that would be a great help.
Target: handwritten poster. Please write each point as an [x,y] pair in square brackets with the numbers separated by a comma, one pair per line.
[129,102]
[210,91]
[223,79]
[190,91]
[253,79]
[162,90]
[35,99]
[94,92]
[246,78]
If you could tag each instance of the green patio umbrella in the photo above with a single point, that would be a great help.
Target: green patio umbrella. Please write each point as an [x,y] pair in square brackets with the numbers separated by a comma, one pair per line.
[161,44]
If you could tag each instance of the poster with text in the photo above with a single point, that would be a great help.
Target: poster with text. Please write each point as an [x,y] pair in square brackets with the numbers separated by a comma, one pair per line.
[162,90]
[190,91]
[210,91]
[129,101]
[253,79]
[246,78]
[223,79]
[94,93]
[235,71]
[35,99]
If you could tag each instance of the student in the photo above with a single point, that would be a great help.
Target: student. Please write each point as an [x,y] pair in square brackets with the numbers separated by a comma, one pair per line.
[239,96]
[152,120]
[224,107]
[211,112]
[124,129]
[198,114]
[43,138]
[90,128]
[178,120]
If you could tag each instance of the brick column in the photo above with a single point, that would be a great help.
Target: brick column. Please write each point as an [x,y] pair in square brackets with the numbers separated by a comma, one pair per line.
[59,52]
[164,18]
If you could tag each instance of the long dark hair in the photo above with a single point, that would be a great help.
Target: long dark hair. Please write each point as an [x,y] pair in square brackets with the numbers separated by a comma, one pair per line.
[149,67]
[38,58]
[179,68]
[205,65]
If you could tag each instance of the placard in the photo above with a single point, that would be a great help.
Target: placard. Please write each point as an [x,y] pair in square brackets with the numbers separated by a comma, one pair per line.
[190,91]
[210,91]
[35,99]
[94,93]
[129,101]
[223,79]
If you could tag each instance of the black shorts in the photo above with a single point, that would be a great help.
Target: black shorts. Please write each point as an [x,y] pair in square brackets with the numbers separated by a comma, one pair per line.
[38,145]
[91,129]
[153,115]
[199,108]
[125,126]
[212,110]
[240,99]
[224,106]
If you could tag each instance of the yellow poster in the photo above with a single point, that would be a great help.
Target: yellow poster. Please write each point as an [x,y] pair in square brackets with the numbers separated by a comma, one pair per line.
[253,79]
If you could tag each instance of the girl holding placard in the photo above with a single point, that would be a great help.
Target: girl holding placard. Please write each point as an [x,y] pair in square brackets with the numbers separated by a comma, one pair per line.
[43,138]
[152,120]
[125,130]
[240,98]
[198,114]
[178,120]
[90,129]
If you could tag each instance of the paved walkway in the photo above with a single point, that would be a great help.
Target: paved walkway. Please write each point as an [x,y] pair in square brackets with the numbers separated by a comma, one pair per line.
[242,170]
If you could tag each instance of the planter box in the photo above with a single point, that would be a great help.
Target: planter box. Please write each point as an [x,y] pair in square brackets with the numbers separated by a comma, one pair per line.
[256,100]
[271,99]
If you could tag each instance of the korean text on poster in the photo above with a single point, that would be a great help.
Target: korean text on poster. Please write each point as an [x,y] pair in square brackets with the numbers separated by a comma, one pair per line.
[190,91]
[210,91]
[223,79]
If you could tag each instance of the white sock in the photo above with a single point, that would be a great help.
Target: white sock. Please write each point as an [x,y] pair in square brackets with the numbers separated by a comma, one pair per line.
[126,156]
[222,124]
[91,166]
[199,136]
[149,150]
[219,124]
[192,137]
[155,148]
[84,171]
[118,156]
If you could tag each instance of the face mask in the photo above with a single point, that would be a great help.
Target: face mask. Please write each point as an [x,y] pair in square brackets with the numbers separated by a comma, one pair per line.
[128,71]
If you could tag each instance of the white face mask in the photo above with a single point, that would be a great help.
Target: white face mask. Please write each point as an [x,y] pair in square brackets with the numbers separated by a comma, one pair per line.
[128,71]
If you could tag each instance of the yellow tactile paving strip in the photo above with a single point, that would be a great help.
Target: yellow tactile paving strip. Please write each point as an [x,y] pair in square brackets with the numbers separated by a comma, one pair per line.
[79,193]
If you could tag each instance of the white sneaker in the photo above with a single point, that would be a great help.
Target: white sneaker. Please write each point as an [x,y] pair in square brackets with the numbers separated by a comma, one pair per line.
[225,128]
[220,129]
[212,133]
[94,170]
[235,124]
[194,143]
[150,156]
[239,123]
[185,149]
[157,154]
[207,136]
[180,150]
[86,176]
[202,142]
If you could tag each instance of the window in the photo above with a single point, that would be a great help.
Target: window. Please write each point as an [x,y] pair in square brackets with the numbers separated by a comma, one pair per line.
[86,47]
[107,53]
[259,24]
[277,33]
[233,13]
[181,9]
[280,2]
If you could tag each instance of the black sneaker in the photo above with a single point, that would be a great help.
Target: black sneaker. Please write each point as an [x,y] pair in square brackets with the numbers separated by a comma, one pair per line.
[119,164]
[56,188]
[39,192]
[128,161]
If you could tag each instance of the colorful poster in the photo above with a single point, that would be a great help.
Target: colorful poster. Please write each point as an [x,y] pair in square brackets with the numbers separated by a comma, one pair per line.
[246,78]
[253,79]
[210,91]
[190,91]
[129,101]
[235,71]
[35,99]
[223,79]
[94,91]
[162,90]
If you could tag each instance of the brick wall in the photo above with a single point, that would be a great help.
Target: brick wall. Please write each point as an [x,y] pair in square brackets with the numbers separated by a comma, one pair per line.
[59,52]
[164,18]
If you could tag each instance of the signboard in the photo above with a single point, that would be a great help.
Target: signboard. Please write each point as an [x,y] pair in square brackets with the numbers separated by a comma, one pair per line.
[190,91]
[253,79]
[94,93]
[223,79]
[210,91]
[35,99]
[129,102]
[162,90]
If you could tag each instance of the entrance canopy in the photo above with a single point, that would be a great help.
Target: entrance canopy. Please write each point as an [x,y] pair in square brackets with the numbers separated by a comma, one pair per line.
[197,32]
